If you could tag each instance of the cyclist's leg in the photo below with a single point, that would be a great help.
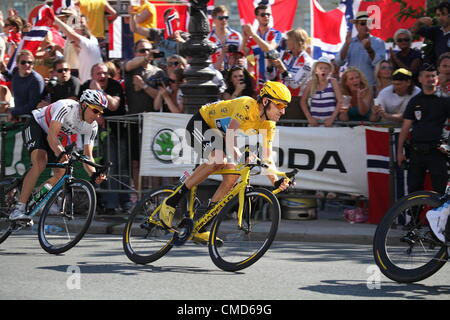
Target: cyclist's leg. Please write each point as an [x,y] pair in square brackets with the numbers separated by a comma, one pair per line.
[226,185]
[39,163]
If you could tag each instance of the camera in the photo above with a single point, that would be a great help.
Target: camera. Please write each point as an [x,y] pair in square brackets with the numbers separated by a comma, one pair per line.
[233,48]
[272,55]
[157,55]
[158,82]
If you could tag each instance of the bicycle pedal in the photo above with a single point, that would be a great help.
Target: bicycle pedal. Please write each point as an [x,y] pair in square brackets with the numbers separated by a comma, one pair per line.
[184,232]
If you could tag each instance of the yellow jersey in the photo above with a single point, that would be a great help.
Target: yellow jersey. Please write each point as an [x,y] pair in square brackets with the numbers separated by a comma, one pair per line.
[150,22]
[94,10]
[245,110]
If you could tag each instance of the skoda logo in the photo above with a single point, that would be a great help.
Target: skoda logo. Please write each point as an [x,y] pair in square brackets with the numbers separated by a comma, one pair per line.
[166,146]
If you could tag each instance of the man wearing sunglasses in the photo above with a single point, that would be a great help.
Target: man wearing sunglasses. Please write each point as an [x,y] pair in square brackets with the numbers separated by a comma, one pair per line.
[363,51]
[226,38]
[212,133]
[27,84]
[259,41]
[67,86]
[50,129]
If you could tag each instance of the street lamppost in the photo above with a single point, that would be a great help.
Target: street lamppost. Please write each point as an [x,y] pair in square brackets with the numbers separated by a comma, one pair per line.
[199,88]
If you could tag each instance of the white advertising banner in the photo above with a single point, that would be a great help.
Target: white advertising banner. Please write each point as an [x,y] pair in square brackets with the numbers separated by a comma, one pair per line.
[328,159]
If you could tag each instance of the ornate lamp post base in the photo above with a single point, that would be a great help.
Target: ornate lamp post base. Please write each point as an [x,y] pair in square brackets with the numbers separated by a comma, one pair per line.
[199,88]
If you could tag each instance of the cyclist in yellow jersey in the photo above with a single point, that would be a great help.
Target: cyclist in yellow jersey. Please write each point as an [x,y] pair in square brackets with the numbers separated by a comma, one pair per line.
[226,117]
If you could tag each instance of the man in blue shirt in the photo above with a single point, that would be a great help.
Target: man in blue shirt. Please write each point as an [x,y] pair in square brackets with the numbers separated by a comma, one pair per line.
[27,84]
[363,51]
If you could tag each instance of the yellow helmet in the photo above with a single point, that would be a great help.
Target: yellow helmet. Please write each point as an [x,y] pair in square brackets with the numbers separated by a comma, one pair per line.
[276,90]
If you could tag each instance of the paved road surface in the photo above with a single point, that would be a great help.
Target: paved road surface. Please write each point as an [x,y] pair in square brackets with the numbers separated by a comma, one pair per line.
[98,269]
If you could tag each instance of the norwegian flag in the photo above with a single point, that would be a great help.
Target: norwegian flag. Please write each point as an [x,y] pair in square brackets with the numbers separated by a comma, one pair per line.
[377,145]
[31,40]
[329,29]
[283,12]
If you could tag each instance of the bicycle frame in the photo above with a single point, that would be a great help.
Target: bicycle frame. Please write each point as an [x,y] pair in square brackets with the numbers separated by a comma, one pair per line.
[239,189]
[41,202]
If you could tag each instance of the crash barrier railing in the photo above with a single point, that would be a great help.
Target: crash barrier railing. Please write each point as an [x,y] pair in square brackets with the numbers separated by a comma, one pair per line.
[119,141]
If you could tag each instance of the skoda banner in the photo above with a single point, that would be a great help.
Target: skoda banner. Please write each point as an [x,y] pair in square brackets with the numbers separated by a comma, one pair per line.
[329,159]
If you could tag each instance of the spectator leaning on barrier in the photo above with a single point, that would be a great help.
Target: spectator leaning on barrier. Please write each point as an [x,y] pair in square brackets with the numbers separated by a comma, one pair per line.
[407,58]
[425,115]
[439,35]
[67,86]
[391,102]
[363,51]
[27,84]
[357,96]
[89,53]
[444,74]
[324,93]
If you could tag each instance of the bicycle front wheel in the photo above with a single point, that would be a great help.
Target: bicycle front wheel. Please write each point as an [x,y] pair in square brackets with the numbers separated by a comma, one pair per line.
[67,216]
[145,240]
[233,247]
[404,247]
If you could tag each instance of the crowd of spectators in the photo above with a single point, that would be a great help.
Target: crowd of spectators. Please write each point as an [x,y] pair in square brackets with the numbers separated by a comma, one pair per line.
[365,81]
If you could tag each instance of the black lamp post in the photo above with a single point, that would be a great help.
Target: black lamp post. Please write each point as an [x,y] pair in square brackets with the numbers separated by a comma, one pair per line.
[199,89]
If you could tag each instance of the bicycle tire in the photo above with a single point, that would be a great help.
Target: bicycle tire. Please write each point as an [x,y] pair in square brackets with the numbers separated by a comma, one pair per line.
[408,251]
[62,226]
[146,241]
[233,249]
[10,197]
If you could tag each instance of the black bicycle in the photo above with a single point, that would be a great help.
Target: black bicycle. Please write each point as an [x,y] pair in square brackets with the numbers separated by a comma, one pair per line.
[65,212]
[404,246]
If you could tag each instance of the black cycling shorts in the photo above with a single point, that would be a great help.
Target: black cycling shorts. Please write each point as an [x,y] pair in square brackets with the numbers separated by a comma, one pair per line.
[34,137]
[202,138]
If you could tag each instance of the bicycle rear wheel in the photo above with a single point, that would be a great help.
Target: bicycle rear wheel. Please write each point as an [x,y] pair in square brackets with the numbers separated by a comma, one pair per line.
[404,247]
[67,216]
[145,240]
[233,248]
[9,197]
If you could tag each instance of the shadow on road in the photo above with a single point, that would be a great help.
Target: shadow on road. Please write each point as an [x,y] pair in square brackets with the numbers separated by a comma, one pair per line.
[387,290]
[130,269]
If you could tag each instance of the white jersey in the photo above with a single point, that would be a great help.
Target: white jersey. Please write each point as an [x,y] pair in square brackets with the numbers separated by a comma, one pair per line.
[67,112]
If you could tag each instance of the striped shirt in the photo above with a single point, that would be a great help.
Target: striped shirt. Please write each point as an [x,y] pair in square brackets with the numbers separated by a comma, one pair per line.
[67,112]
[323,103]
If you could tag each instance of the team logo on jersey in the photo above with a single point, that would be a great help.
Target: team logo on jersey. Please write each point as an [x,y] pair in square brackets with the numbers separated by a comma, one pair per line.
[166,146]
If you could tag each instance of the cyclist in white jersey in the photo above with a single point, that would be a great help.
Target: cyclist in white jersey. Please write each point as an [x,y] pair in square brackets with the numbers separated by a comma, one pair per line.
[49,129]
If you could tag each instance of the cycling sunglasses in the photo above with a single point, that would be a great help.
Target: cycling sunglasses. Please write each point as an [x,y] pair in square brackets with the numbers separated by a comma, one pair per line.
[280,105]
[95,109]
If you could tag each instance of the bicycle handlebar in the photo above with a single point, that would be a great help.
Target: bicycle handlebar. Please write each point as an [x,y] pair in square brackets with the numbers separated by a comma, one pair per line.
[75,156]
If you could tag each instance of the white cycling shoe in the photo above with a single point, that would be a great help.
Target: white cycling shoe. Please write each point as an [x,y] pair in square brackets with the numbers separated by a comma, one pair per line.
[437,218]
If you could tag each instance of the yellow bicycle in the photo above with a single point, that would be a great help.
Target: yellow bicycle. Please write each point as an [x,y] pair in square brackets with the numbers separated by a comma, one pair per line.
[244,223]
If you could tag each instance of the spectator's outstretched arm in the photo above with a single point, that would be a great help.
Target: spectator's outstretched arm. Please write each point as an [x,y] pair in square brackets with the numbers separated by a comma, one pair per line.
[68,31]
[135,28]
[112,13]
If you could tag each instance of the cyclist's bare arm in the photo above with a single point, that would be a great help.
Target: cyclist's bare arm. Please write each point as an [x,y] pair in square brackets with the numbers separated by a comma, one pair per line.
[53,141]
[87,150]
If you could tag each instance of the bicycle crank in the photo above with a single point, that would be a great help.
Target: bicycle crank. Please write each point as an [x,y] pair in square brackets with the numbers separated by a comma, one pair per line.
[184,230]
